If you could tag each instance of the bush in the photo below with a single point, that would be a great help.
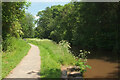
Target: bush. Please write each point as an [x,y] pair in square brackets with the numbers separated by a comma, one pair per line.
[9,44]
[82,60]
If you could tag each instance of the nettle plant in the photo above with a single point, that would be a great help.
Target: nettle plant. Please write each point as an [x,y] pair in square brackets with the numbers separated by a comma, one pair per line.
[65,45]
[82,61]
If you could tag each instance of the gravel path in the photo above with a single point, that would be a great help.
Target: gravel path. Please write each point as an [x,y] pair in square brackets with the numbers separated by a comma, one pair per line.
[29,67]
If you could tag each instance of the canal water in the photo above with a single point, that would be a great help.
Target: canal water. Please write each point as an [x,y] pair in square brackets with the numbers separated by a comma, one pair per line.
[104,64]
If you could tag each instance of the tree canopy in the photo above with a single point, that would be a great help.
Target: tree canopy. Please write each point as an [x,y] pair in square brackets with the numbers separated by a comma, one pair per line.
[89,25]
[12,13]
[28,24]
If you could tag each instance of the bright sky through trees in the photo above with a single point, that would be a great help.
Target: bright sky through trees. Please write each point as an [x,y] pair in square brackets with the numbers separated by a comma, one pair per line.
[38,6]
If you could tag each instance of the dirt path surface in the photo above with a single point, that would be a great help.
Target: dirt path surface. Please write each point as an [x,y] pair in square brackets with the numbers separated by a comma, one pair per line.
[29,67]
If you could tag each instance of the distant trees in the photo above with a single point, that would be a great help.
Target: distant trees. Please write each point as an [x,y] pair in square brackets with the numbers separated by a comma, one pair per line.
[46,23]
[89,25]
[27,24]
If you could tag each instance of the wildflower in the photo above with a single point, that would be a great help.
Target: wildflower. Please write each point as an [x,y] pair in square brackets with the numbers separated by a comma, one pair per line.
[81,53]
[80,50]
[89,52]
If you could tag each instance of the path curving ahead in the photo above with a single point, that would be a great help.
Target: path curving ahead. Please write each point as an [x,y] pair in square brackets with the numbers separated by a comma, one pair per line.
[29,67]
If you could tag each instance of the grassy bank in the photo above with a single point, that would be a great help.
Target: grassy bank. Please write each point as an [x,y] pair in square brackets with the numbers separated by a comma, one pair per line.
[16,50]
[0,66]
[52,57]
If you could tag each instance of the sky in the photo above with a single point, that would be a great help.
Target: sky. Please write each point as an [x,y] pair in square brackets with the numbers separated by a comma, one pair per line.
[39,6]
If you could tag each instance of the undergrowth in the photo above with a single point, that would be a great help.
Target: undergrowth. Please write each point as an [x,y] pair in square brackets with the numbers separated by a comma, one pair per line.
[52,57]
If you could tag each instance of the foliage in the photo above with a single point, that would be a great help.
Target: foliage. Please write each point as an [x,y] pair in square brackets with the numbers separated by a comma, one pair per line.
[16,50]
[52,57]
[46,22]
[12,13]
[15,23]
[88,25]
[16,30]
[8,44]
[65,45]
[82,61]
[27,24]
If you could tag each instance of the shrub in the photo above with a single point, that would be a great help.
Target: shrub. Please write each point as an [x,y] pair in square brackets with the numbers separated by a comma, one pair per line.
[81,62]
[9,44]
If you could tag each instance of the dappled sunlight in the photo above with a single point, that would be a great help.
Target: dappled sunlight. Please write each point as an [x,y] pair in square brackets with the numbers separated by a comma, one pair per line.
[38,39]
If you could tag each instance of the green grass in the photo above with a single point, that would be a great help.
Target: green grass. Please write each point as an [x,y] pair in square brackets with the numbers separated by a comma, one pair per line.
[52,57]
[0,66]
[16,50]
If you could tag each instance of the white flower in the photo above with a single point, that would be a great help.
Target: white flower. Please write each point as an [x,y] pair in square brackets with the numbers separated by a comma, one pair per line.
[81,53]
[89,52]
[80,50]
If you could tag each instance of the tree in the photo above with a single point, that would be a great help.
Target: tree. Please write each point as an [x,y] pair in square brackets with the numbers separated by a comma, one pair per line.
[90,25]
[12,13]
[27,24]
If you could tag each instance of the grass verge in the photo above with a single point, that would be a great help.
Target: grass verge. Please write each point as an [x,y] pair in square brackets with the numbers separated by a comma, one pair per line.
[16,50]
[0,65]
[52,57]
